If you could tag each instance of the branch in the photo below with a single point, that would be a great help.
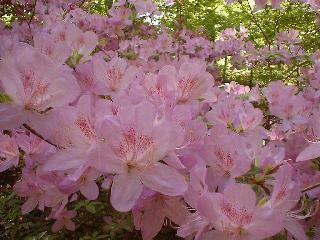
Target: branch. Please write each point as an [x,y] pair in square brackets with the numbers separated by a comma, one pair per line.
[255,21]
[224,71]
[30,129]
[311,187]
[295,69]
[33,13]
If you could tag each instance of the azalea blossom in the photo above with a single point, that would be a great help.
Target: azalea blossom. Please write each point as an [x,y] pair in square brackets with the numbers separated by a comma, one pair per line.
[234,214]
[140,140]
[167,125]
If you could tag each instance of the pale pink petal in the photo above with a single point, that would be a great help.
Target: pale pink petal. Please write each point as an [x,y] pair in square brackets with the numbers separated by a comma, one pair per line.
[173,161]
[164,179]
[104,160]
[12,116]
[152,221]
[125,191]
[260,4]
[58,225]
[70,225]
[311,152]
[194,223]
[137,218]
[241,196]
[276,3]
[90,42]
[295,228]
[29,205]
[71,214]
[207,203]
[4,165]
[176,210]
[214,234]
[266,223]
[90,190]
[63,160]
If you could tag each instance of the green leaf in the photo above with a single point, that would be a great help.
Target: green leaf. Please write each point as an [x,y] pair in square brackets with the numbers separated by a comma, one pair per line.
[74,59]
[5,98]
[91,208]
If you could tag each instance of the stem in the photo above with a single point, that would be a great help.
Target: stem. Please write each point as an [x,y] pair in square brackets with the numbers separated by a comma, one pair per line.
[81,4]
[30,129]
[224,72]
[295,69]
[251,78]
[180,27]
[311,187]
[255,21]
[33,13]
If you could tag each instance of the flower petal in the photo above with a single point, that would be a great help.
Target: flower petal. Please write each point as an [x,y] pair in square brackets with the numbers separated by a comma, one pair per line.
[29,205]
[125,191]
[90,190]
[164,179]
[311,152]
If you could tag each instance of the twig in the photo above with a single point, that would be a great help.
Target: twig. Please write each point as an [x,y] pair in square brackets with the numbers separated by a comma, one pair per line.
[33,13]
[30,129]
[295,69]
[179,27]
[81,4]
[311,187]
[254,20]
[224,71]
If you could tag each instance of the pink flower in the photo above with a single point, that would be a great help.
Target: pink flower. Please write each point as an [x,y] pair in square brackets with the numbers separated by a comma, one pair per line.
[161,206]
[9,152]
[276,92]
[235,114]
[75,134]
[234,215]
[35,149]
[80,42]
[260,4]
[285,196]
[59,52]
[120,16]
[144,6]
[85,76]
[63,219]
[224,160]
[35,85]
[40,193]
[195,224]
[236,88]
[85,184]
[190,82]
[310,152]
[113,76]
[139,141]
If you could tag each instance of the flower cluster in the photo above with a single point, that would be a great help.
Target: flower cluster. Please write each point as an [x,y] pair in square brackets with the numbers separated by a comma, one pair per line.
[93,103]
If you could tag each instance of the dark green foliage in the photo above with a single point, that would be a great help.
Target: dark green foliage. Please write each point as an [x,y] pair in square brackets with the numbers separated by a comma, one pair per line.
[90,224]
